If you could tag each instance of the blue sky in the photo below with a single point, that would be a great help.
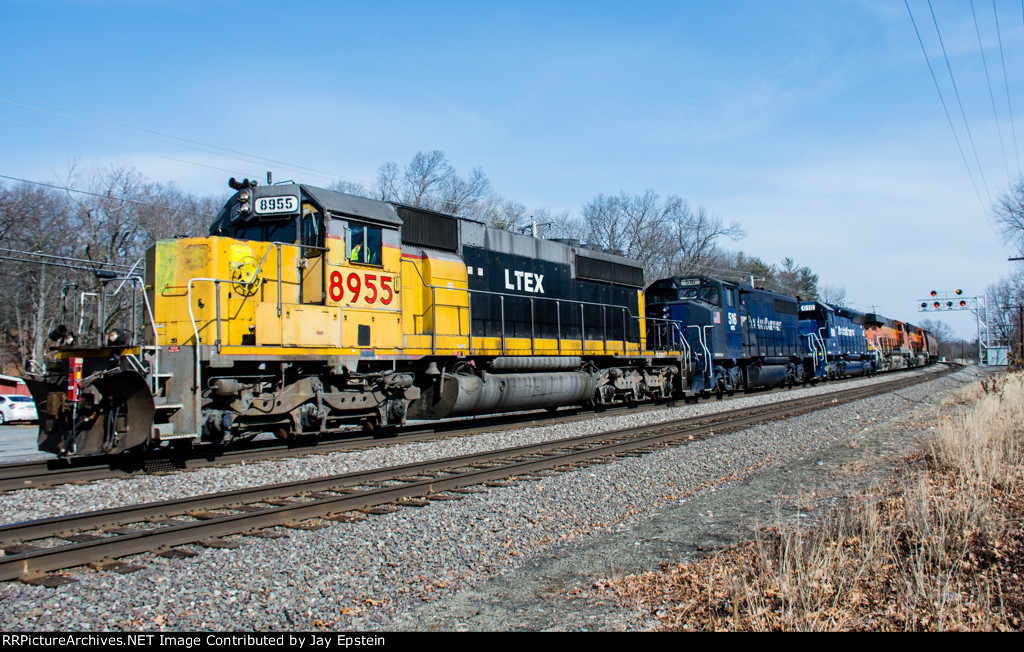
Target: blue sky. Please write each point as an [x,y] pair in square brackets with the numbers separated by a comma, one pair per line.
[816,125]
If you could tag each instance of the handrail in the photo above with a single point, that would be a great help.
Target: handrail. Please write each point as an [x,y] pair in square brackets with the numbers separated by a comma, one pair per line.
[502,295]
[709,367]
[821,339]
[687,349]
[81,310]
[506,294]
[152,320]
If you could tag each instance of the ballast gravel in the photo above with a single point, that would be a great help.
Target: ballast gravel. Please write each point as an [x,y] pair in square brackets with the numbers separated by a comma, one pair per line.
[379,573]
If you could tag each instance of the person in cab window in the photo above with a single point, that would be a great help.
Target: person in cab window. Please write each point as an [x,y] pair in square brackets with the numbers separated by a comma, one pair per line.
[366,244]
[356,238]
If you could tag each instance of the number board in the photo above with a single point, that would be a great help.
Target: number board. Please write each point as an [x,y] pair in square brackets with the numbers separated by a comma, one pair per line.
[362,289]
[272,205]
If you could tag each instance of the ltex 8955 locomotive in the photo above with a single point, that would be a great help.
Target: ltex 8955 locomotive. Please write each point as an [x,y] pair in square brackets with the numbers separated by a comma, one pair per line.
[306,310]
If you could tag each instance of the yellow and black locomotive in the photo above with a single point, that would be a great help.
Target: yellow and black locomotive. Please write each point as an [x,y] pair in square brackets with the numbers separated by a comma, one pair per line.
[306,310]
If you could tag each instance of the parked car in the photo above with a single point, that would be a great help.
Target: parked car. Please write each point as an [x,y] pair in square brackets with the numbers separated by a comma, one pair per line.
[14,407]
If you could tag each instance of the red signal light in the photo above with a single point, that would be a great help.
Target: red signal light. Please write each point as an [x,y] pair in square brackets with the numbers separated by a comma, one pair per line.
[936,304]
[934,293]
[963,304]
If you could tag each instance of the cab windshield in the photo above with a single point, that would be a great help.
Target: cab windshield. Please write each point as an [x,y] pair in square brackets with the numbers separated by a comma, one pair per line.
[266,231]
[709,294]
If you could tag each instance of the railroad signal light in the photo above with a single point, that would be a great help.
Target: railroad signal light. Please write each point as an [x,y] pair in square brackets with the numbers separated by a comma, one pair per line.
[936,304]
[924,304]
[934,293]
[959,292]
[963,304]
[949,304]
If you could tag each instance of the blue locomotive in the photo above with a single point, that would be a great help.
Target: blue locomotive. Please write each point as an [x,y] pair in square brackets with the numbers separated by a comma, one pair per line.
[742,337]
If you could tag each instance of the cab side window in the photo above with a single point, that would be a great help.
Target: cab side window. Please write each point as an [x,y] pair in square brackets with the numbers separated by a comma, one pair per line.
[364,244]
[311,232]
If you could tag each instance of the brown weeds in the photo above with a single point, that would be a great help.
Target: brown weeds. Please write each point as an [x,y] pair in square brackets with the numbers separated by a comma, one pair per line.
[940,547]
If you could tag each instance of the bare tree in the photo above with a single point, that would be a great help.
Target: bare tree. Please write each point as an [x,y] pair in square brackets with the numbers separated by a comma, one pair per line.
[636,225]
[56,239]
[464,195]
[350,187]
[834,295]
[1008,215]
[40,221]
[424,177]
[389,181]
[429,181]
[696,234]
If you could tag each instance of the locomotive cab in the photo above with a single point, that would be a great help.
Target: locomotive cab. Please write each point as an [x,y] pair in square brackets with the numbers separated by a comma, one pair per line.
[702,315]
[742,337]
[832,341]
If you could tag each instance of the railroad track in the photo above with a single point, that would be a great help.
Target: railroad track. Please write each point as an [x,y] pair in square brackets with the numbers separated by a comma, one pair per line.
[100,538]
[50,473]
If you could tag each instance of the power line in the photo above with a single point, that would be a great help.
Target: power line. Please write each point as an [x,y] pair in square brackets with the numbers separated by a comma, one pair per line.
[65,258]
[93,194]
[130,149]
[1006,84]
[956,91]
[250,158]
[945,108]
[175,140]
[47,263]
[991,95]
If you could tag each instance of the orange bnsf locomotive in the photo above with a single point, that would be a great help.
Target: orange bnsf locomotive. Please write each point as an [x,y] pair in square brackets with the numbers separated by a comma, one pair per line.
[306,310]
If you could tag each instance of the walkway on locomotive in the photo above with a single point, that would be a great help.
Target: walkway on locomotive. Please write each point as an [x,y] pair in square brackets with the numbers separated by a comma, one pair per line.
[402,283]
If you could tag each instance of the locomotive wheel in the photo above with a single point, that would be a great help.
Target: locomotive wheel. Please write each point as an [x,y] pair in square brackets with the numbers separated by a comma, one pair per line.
[283,433]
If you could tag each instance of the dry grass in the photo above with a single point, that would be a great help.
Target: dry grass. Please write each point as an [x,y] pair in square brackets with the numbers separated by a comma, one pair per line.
[940,547]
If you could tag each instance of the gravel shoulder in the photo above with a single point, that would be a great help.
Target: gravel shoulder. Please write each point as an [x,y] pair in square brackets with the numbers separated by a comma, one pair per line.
[522,557]
[561,591]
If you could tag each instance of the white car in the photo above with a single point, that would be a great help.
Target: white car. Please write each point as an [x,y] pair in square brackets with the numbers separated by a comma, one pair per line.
[14,407]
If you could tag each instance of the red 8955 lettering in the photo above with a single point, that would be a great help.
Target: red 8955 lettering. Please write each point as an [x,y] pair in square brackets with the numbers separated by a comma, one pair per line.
[376,290]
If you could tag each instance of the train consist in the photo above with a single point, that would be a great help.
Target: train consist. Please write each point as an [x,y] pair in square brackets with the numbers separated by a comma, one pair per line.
[306,310]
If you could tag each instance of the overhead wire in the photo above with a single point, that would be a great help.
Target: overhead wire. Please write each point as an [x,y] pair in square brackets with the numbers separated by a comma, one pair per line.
[84,261]
[102,196]
[991,95]
[230,153]
[47,263]
[956,91]
[179,141]
[125,147]
[945,108]
[1006,84]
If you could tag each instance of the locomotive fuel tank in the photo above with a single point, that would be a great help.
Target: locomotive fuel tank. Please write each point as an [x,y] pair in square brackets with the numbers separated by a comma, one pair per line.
[465,394]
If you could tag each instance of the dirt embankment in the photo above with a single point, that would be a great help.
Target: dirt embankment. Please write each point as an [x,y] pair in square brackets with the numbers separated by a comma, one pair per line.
[936,545]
